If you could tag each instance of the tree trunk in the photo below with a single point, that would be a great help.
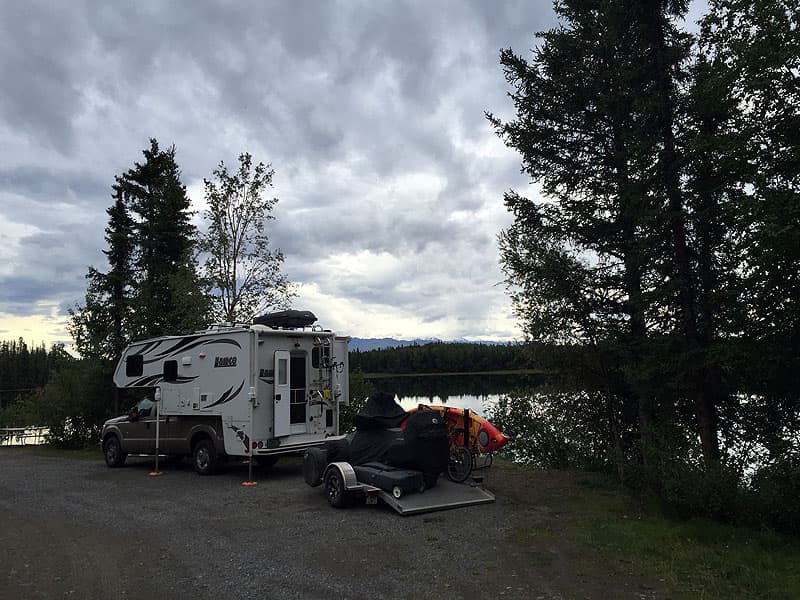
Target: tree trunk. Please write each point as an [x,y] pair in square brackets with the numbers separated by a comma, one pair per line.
[653,21]
[632,262]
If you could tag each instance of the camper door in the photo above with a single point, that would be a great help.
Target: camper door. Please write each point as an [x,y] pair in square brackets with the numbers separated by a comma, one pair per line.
[282,396]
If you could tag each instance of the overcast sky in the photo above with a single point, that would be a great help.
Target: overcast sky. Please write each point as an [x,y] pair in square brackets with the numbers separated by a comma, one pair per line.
[389,178]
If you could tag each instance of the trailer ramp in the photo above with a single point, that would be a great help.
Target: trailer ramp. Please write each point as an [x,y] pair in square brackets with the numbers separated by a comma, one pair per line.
[444,496]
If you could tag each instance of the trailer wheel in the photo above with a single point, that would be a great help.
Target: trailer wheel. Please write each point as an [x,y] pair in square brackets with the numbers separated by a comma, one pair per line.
[338,496]
[112,451]
[204,457]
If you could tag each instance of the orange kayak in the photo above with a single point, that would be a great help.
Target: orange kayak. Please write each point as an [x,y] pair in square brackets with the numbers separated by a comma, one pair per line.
[482,435]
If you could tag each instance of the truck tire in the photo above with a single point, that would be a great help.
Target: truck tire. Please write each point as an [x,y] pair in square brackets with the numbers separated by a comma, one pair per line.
[112,451]
[204,457]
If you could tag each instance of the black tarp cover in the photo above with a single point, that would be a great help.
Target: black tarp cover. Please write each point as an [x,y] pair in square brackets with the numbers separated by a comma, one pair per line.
[377,428]
[372,445]
[380,412]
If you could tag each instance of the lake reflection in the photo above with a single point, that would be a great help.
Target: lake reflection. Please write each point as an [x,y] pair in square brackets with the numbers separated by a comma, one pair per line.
[477,404]
[476,392]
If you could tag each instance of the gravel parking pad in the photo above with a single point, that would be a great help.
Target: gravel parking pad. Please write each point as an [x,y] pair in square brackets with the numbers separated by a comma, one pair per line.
[77,529]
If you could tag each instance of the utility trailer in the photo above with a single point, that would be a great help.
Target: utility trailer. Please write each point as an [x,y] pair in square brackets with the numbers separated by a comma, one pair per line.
[260,390]
[343,489]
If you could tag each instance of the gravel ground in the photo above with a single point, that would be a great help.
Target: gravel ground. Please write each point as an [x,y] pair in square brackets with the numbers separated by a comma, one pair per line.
[77,529]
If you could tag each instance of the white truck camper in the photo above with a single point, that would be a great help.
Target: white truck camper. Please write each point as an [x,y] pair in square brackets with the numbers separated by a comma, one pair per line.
[260,390]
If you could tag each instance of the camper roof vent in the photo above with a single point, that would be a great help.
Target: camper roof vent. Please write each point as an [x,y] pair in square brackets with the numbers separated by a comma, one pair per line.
[286,319]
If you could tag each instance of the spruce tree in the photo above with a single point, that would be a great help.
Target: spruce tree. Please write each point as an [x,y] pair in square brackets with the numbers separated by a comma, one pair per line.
[168,297]
[151,287]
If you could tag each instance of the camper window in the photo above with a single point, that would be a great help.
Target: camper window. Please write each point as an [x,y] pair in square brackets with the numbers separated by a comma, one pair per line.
[134,365]
[323,353]
[282,379]
[170,370]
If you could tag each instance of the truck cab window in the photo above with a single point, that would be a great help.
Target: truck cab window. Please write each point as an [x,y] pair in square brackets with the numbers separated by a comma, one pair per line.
[145,407]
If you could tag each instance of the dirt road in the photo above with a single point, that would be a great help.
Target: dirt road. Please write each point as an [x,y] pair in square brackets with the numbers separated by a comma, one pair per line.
[76,529]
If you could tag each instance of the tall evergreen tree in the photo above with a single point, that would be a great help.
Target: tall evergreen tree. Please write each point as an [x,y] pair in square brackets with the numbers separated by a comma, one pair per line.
[583,261]
[168,293]
[753,48]
[100,326]
[668,230]
[151,287]
[628,248]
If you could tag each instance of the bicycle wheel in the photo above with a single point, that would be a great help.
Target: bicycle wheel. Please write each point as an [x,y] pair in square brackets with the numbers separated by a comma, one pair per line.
[459,465]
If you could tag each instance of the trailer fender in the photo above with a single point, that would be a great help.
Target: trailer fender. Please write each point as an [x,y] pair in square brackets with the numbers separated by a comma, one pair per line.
[347,472]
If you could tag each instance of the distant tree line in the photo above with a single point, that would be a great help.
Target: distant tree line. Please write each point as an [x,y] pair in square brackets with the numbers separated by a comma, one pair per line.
[665,242]
[24,368]
[440,357]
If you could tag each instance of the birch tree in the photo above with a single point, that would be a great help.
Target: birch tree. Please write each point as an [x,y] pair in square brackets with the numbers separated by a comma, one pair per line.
[243,274]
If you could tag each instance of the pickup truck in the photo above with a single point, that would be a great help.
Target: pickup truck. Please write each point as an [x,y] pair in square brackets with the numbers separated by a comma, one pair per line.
[198,436]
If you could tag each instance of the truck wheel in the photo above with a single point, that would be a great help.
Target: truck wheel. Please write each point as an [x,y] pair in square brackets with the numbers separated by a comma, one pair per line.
[397,492]
[112,451]
[338,497]
[205,457]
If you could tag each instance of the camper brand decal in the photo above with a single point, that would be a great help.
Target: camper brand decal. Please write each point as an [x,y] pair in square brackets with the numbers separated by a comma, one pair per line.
[224,361]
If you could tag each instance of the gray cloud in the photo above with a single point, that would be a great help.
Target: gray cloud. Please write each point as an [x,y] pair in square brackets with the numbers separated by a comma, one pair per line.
[389,178]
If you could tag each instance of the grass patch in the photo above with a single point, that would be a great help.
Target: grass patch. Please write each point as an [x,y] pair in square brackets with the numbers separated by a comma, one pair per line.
[696,558]
[704,559]
[597,525]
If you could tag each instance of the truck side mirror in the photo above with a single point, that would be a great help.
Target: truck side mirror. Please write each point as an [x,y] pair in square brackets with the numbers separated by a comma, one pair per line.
[133,415]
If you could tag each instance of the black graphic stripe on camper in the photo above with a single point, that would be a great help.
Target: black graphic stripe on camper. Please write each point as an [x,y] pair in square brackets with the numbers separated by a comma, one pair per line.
[228,396]
[146,381]
[230,341]
[181,345]
[154,379]
[190,346]
[148,347]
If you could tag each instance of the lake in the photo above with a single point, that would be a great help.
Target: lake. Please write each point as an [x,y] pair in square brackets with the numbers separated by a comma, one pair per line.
[475,392]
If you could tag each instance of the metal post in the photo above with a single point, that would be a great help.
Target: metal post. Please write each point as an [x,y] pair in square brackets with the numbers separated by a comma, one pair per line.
[157,398]
[250,481]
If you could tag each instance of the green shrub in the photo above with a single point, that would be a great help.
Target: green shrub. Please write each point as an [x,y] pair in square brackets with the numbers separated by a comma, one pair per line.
[691,490]
[552,429]
[774,495]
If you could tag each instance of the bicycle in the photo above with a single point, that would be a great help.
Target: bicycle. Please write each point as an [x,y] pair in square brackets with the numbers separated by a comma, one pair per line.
[461,460]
